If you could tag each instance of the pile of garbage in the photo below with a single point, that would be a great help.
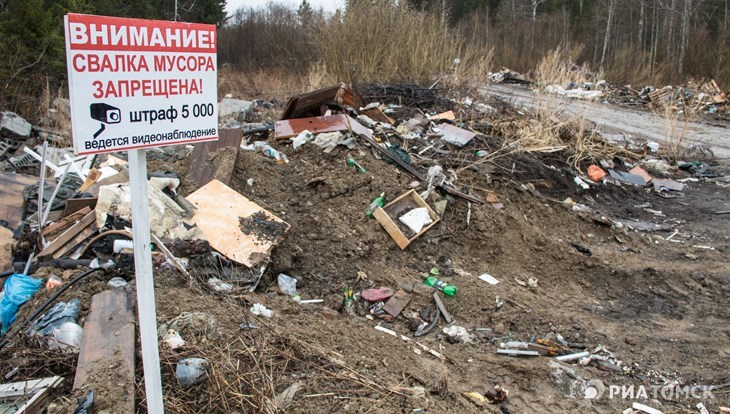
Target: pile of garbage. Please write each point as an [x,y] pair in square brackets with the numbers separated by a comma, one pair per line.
[67,218]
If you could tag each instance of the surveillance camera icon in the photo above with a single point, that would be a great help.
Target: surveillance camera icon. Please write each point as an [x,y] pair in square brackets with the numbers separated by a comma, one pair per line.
[106,114]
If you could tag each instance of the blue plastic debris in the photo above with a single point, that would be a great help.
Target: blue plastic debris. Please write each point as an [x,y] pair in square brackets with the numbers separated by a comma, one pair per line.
[18,289]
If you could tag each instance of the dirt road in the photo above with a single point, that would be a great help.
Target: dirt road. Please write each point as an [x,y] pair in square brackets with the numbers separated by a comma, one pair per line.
[613,120]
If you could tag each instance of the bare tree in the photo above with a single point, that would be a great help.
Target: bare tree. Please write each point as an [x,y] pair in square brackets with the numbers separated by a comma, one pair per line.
[611,6]
[534,5]
[642,13]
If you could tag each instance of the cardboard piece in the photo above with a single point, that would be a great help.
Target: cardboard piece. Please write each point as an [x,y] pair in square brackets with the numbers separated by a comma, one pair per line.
[455,135]
[641,172]
[222,213]
[6,248]
[668,184]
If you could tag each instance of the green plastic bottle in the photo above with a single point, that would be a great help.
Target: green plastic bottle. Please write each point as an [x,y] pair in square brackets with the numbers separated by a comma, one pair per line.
[449,290]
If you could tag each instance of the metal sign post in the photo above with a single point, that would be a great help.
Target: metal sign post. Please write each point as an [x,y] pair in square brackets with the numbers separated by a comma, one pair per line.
[145,281]
[135,84]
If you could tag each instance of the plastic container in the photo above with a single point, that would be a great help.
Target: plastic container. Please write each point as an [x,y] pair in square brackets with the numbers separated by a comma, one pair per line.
[121,244]
[449,290]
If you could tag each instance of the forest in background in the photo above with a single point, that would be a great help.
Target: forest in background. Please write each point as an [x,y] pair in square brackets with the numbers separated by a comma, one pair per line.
[638,42]
[630,41]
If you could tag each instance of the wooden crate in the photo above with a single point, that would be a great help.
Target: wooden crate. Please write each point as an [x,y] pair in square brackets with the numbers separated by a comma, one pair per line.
[387,216]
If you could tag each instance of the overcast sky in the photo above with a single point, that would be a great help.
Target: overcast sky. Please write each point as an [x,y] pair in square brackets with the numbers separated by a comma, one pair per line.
[327,5]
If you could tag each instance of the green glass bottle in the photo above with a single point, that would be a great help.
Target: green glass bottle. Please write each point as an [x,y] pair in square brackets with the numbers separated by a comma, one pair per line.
[379,201]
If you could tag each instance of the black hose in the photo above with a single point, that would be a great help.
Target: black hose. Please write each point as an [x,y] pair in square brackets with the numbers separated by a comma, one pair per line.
[19,327]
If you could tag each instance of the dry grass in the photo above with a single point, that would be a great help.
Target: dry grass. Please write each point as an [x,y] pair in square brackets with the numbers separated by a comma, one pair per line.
[677,116]
[399,45]
[545,130]
[260,84]
[250,369]
[558,67]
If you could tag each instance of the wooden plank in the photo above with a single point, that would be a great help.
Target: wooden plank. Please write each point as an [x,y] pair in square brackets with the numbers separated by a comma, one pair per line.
[65,222]
[38,401]
[383,215]
[442,308]
[377,115]
[384,219]
[395,305]
[215,159]
[71,245]
[21,388]
[292,127]
[219,213]
[108,341]
[77,204]
[68,235]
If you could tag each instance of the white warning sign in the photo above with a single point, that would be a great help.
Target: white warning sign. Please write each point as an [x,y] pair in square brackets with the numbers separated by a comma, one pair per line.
[140,83]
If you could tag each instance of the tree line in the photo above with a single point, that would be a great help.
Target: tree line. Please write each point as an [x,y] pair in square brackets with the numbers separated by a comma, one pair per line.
[628,41]
[32,47]
[635,42]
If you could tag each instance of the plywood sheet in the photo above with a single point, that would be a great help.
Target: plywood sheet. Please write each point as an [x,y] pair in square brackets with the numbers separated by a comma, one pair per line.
[224,216]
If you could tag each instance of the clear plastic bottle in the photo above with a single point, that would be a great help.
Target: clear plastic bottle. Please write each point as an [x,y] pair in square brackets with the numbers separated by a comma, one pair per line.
[266,149]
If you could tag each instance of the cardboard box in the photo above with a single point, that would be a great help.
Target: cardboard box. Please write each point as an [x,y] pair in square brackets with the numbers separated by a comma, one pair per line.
[388,217]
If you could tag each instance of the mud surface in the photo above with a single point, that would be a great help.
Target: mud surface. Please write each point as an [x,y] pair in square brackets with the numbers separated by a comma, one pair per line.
[658,303]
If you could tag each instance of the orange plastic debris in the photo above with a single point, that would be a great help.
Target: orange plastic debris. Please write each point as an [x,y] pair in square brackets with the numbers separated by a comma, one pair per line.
[596,173]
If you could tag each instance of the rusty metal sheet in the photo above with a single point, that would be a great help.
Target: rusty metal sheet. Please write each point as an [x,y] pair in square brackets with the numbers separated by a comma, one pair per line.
[215,159]
[292,127]
[309,104]
[222,215]
[11,197]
